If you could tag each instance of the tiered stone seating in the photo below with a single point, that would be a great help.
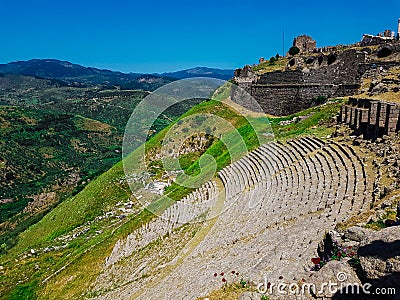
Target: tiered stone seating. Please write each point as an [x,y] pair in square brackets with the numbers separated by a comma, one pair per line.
[182,212]
[280,201]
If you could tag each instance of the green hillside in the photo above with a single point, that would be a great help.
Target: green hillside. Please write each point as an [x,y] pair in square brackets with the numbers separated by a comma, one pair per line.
[46,156]
[54,139]
[73,240]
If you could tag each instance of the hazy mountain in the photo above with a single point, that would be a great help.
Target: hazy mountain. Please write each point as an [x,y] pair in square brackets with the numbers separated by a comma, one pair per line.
[14,82]
[74,74]
[201,72]
[69,72]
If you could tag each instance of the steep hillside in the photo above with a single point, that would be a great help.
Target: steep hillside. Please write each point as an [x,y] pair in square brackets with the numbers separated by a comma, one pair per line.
[45,156]
[70,244]
[10,83]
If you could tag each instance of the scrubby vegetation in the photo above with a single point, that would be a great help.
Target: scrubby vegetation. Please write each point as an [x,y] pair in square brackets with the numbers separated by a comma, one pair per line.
[313,121]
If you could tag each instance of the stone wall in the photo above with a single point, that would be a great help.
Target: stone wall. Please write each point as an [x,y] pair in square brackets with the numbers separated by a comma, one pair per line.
[281,77]
[336,68]
[370,40]
[372,118]
[282,100]
[286,92]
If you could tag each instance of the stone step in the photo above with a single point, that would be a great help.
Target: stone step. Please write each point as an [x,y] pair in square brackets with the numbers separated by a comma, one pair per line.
[282,197]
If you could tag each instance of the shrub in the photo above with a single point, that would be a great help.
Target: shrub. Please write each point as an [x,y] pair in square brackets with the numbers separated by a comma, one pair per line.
[243,283]
[319,100]
[24,291]
[294,50]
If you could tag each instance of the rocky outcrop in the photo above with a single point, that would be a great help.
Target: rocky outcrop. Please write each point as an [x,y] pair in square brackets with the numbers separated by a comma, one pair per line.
[379,254]
[305,43]
[339,273]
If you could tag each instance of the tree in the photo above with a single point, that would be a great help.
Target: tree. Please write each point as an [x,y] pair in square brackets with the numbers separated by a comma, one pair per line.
[277,56]
[272,60]
[294,50]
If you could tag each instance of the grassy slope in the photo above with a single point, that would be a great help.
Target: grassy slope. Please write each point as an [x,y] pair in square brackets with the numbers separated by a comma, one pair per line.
[95,199]
[318,123]
[98,197]
[43,151]
[267,66]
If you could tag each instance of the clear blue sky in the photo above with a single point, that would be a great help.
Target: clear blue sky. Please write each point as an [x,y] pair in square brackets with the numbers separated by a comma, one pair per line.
[157,36]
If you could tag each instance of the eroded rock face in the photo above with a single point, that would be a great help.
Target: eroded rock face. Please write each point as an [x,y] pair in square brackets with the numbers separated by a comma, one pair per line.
[356,233]
[339,273]
[245,73]
[379,255]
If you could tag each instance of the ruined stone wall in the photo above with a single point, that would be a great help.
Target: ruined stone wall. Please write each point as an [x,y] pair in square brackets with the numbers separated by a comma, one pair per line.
[286,92]
[372,118]
[305,43]
[370,40]
[281,100]
[386,65]
[281,77]
[342,68]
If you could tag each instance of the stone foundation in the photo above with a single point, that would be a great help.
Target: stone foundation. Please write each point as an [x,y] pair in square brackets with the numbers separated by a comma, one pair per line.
[372,118]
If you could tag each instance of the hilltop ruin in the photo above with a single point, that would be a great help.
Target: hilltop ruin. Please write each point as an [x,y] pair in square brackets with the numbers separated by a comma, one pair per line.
[317,73]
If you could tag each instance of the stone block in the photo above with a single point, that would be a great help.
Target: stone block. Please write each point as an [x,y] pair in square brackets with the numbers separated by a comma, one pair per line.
[357,118]
[364,115]
[373,113]
[342,116]
[353,116]
[348,114]
[382,115]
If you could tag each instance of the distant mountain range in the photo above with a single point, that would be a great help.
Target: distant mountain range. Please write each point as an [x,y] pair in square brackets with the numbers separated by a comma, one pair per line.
[76,74]
[200,72]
